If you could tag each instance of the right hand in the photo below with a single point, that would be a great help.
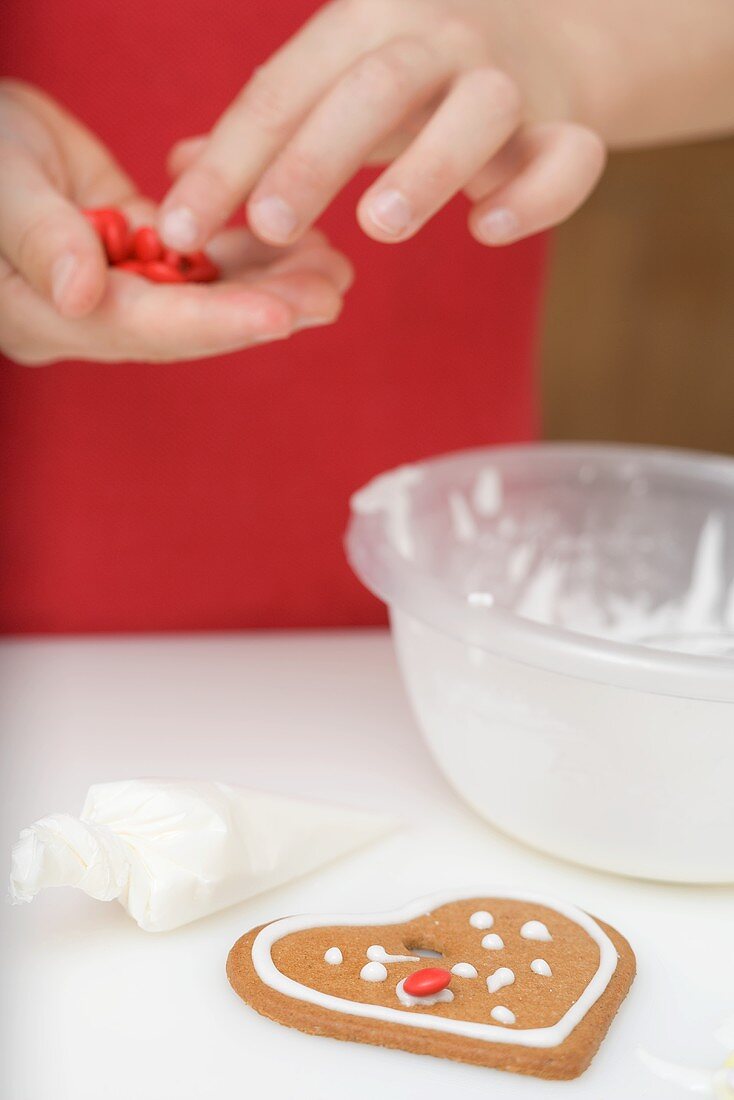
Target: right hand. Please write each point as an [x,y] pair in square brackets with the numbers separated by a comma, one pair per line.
[59,300]
[450,95]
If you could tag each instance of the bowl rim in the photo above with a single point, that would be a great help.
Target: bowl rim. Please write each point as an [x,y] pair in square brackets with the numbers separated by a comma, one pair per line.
[415,591]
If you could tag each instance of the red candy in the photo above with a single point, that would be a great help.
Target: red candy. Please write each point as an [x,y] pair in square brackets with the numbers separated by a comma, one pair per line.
[147,244]
[160,272]
[135,266]
[115,234]
[112,229]
[173,257]
[202,270]
[423,983]
[142,252]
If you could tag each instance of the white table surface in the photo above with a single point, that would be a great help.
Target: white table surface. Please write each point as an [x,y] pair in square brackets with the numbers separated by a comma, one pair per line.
[95,1009]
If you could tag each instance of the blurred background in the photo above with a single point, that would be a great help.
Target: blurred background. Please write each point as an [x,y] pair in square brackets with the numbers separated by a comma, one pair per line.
[638,343]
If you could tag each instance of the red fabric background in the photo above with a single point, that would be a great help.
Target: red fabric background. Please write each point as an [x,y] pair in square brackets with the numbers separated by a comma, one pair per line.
[214,494]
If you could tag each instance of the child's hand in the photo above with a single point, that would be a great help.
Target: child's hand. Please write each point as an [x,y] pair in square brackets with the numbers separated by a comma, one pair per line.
[58,300]
[458,94]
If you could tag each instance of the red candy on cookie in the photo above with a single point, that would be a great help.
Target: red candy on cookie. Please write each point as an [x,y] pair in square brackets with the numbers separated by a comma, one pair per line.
[424,983]
[142,252]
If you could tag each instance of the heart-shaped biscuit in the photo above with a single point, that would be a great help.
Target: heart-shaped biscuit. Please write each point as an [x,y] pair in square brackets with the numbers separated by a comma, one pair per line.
[518,982]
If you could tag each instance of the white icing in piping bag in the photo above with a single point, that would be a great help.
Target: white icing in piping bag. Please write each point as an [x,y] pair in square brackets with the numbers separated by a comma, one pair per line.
[171,851]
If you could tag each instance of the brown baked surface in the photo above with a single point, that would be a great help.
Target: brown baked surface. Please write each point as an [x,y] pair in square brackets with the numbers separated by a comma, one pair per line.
[536,1001]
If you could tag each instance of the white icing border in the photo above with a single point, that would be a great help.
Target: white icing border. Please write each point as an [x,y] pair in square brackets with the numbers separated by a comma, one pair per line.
[542,1037]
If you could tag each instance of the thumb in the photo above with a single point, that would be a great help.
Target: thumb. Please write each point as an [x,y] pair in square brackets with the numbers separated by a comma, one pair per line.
[47,239]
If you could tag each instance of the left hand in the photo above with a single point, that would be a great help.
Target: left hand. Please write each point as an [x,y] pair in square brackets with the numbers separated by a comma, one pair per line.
[458,94]
[59,299]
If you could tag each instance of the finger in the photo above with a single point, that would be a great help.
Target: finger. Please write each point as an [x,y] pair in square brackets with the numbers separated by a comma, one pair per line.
[142,321]
[237,248]
[565,164]
[91,178]
[394,144]
[367,103]
[259,122]
[322,260]
[475,120]
[184,153]
[46,238]
[94,176]
[138,210]
[238,254]
[500,169]
[313,297]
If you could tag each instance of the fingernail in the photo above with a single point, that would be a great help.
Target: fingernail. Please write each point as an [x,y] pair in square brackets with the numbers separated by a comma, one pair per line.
[270,337]
[179,228]
[62,274]
[499,226]
[390,211]
[311,322]
[273,217]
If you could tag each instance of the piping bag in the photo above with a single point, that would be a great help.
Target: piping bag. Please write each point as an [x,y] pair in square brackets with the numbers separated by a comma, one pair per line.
[171,851]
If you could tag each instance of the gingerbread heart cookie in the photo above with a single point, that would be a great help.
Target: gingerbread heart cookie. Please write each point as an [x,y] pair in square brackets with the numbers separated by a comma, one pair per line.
[517,982]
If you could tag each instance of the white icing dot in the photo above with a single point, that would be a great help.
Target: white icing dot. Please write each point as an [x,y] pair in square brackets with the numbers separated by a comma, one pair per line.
[503,1015]
[481,919]
[464,970]
[373,972]
[422,1002]
[502,977]
[540,966]
[535,930]
[333,956]
[493,942]
[377,953]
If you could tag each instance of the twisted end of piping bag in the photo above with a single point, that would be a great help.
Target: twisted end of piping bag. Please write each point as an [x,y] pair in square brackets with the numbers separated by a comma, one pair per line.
[61,850]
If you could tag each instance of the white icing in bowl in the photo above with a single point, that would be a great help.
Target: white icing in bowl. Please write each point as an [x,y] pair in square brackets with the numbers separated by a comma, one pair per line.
[565,619]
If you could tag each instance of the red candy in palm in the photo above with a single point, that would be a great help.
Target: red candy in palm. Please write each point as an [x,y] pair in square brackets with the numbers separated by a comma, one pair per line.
[142,252]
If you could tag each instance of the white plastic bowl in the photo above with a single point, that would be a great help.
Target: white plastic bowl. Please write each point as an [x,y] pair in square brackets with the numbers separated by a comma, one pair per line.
[564,621]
